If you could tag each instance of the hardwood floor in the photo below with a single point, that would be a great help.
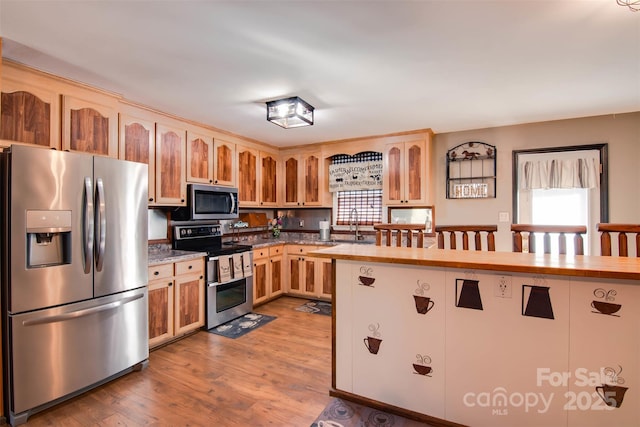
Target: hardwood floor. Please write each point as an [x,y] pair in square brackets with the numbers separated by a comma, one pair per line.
[279,374]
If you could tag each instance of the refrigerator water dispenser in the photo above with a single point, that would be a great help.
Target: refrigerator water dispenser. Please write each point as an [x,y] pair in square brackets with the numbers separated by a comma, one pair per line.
[48,238]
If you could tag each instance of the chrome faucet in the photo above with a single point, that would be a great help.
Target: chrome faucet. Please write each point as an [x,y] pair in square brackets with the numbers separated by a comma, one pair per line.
[353,219]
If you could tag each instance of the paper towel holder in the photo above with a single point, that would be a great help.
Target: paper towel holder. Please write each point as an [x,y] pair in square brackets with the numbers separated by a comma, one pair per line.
[325,231]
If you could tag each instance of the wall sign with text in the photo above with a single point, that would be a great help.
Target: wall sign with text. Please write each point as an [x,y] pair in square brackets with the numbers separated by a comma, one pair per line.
[471,171]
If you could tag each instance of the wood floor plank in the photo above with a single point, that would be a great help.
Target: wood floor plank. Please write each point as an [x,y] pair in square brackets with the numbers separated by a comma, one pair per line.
[278,374]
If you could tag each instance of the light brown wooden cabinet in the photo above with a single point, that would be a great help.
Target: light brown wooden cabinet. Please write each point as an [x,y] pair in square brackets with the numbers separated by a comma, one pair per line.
[137,144]
[171,184]
[268,269]
[405,179]
[257,177]
[308,276]
[224,163]
[268,179]
[89,127]
[199,157]
[248,176]
[176,300]
[303,180]
[29,109]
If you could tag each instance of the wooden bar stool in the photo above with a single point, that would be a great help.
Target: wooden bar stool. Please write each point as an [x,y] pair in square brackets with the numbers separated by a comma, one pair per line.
[465,230]
[622,229]
[547,230]
[388,230]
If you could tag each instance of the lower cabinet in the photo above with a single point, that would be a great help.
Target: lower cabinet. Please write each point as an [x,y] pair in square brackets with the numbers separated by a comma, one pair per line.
[308,276]
[268,279]
[176,300]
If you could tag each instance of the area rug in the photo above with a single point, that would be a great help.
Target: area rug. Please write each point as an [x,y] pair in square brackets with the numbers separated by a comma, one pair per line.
[317,307]
[242,325]
[342,413]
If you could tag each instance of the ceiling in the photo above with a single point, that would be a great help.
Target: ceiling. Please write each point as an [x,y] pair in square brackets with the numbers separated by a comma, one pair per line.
[369,67]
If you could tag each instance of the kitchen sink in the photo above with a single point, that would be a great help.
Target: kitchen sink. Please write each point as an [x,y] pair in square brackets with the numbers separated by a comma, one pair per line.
[358,242]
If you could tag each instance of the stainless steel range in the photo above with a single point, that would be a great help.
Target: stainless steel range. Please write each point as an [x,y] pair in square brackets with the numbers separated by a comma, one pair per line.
[229,274]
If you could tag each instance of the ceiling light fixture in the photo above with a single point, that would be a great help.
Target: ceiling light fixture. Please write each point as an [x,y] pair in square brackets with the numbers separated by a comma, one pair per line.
[290,112]
[633,5]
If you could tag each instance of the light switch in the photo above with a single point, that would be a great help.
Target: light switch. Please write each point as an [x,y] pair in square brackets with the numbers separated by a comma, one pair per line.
[503,217]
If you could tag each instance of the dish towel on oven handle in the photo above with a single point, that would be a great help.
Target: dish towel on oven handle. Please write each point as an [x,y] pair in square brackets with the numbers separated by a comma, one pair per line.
[224,268]
[237,266]
[246,265]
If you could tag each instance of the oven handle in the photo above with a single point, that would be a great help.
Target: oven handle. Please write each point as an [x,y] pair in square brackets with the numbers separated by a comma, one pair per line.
[215,284]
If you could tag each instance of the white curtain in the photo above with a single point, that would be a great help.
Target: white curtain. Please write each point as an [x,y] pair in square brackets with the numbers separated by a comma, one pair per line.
[559,173]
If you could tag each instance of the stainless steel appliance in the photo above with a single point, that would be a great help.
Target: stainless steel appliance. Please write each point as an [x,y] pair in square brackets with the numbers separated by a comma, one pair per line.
[74,274]
[229,284]
[208,202]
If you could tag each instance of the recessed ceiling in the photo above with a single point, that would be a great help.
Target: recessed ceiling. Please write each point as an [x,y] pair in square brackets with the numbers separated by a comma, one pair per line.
[368,67]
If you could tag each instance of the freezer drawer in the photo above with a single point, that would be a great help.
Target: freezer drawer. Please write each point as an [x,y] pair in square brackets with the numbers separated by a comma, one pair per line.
[58,351]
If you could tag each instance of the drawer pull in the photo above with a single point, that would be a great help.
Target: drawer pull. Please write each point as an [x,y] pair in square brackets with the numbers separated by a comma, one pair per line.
[190,267]
[155,273]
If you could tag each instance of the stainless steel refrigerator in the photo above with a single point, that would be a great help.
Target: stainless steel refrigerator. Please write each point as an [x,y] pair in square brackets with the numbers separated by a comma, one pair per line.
[74,274]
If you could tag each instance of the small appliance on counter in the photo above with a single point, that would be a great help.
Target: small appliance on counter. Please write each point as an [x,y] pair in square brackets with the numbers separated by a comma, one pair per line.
[325,231]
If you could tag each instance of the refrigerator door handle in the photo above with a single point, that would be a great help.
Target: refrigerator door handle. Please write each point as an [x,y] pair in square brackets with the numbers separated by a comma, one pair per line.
[81,313]
[101,224]
[88,224]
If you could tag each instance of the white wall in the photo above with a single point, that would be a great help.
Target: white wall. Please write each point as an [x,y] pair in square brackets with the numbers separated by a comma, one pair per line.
[620,131]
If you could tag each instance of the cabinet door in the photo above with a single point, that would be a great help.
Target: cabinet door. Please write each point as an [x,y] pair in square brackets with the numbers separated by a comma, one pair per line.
[291,177]
[199,158]
[170,173]
[405,173]
[29,114]
[268,179]
[89,127]
[224,163]
[309,276]
[160,311]
[247,176]
[137,144]
[189,302]
[415,173]
[324,277]
[260,280]
[312,178]
[277,280]
[295,263]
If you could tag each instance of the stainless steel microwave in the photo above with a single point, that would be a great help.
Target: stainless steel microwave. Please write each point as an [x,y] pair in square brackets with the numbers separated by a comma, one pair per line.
[209,202]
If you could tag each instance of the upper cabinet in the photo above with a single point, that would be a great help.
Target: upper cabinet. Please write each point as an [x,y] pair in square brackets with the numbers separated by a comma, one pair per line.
[304,178]
[405,173]
[29,114]
[199,158]
[89,127]
[248,176]
[224,163]
[257,177]
[137,144]
[170,165]
[268,179]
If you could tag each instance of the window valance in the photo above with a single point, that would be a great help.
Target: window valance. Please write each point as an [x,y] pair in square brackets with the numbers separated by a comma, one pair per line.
[559,173]
[355,176]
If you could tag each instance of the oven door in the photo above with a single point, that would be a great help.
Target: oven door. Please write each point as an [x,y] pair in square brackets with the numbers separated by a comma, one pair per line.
[227,300]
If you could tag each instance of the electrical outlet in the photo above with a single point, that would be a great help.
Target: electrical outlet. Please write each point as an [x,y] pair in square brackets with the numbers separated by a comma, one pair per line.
[503,287]
[302,223]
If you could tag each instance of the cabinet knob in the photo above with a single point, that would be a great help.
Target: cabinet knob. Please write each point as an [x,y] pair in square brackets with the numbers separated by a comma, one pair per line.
[181,200]
[190,267]
[201,277]
[151,199]
[210,181]
[170,283]
[155,273]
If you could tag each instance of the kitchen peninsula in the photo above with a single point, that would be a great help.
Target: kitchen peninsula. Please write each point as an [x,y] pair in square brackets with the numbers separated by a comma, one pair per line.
[488,338]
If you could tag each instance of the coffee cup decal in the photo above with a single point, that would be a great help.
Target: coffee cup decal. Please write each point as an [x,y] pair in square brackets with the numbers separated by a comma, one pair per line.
[423,366]
[607,306]
[423,303]
[612,391]
[373,341]
[365,278]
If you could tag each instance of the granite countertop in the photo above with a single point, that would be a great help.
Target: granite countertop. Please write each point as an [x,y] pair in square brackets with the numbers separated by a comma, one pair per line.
[171,255]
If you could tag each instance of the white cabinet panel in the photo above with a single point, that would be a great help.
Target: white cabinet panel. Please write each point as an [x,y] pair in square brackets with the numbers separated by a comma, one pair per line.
[487,387]
[604,354]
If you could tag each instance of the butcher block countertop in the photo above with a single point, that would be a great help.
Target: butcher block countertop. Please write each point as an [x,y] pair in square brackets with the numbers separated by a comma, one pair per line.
[561,265]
